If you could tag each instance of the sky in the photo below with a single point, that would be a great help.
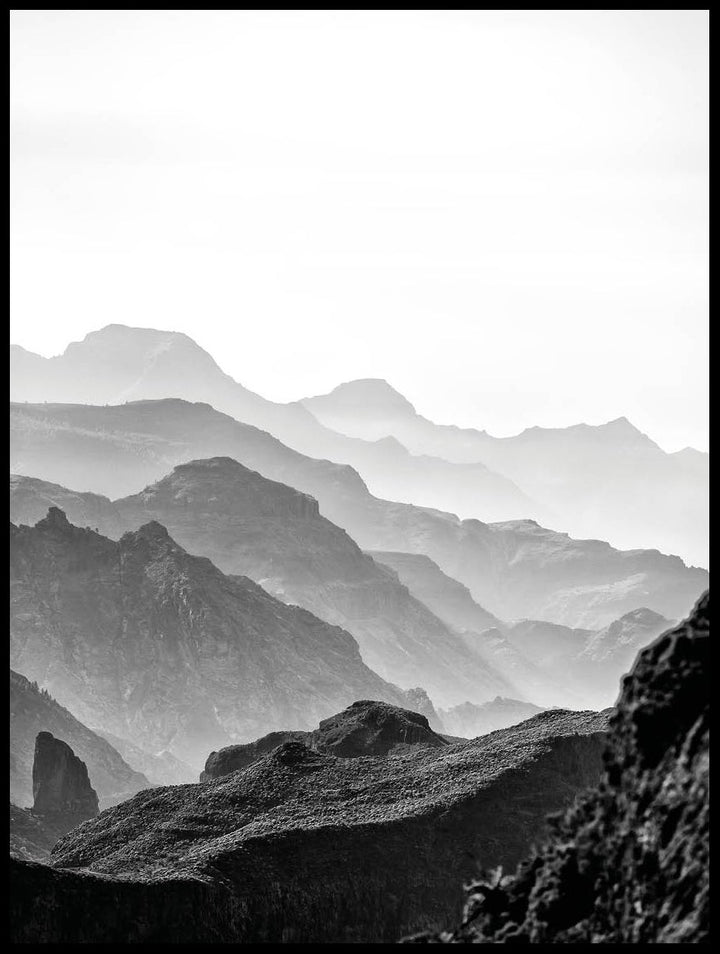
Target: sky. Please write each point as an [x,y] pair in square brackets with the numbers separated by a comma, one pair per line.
[503,214]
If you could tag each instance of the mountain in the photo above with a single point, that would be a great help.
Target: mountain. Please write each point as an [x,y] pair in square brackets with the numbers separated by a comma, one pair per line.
[162,767]
[593,661]
[302,846]
[33,710]
[609,481]
[469,720]
[142,639]
[482,632]
[629,862]
[365,728]
[262,529]
[117,364]
[514,570]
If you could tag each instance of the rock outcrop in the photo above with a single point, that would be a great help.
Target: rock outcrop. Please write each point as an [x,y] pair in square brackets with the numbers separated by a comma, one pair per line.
[140,639]
[303,846]
[61,785]
[629,863]
[364,728]
[33,710]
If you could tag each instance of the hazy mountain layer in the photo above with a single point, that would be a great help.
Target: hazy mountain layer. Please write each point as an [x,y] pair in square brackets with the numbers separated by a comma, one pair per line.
[514,570]
[609,481]
[118,363]
[144,640]
[259,528]
[629,862]
[593,661]
[33,710]
[469,720]
[306,847]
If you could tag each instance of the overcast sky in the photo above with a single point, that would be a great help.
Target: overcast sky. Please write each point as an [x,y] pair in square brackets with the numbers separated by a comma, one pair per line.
[503,214]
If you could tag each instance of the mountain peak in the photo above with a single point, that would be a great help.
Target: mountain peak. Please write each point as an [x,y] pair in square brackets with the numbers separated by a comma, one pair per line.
[368,393]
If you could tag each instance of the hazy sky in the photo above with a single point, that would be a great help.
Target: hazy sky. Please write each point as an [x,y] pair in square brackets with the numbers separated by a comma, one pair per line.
[504,214]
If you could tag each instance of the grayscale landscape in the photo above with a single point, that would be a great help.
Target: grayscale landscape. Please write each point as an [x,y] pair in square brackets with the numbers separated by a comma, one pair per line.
[359,477]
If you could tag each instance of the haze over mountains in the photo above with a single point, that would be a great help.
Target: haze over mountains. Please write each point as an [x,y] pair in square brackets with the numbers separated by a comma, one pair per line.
[514,569]
[610,482]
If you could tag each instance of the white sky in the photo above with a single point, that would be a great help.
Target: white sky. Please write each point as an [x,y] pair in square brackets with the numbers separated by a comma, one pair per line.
[504,214]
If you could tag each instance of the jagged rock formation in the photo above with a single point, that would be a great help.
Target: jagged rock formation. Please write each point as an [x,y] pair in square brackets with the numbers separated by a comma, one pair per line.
[609,480]
[468,720]
[33,710]
[514,570]
[144,640]
[303,846]
[61,785]
[364,728]
[629,863]
[62,793]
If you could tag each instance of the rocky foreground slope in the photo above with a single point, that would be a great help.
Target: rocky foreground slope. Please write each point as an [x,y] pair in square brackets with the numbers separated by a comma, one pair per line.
[308,847]
[515,569]
[629,863]
[143,640]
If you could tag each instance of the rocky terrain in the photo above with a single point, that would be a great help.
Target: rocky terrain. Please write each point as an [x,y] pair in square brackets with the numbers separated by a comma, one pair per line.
[304,846]
[514,570]
[629,863]
[610,480]
[143,640]
[469,720]
[365,728]
[33,710]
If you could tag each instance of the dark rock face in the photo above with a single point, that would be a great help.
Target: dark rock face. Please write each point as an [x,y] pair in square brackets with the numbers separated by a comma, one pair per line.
[364,728]
[33,710]
[61,786]
[303,846]
[143,640]
[630,862]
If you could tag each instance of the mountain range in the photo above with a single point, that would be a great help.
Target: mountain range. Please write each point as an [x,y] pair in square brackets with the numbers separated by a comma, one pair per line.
[609,481]
[514,569]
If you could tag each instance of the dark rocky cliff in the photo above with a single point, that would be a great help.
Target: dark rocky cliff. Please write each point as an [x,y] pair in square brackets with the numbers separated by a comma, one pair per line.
[302,846]
[61,785]
[629,863]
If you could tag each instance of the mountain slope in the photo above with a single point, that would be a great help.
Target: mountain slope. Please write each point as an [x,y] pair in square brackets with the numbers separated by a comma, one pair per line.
[143,640]
[262,529]
[306,847]
[609,480]
[118,363]
[514,570]
[32,711]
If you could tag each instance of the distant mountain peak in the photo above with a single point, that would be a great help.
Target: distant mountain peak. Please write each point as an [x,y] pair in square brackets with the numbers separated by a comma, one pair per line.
[371,394]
